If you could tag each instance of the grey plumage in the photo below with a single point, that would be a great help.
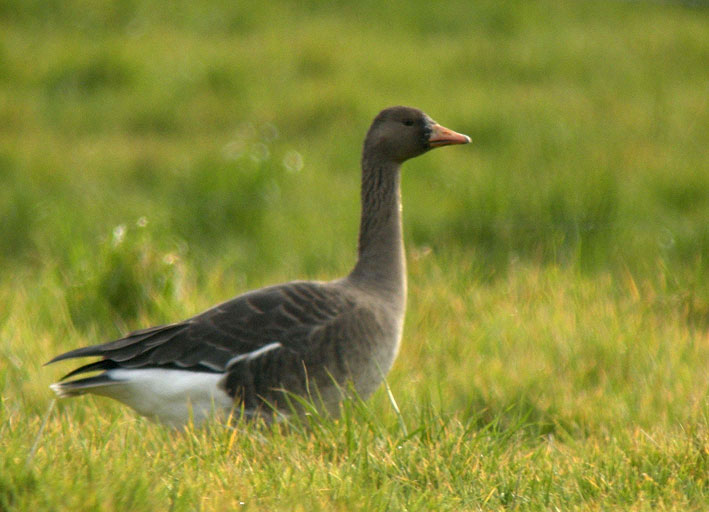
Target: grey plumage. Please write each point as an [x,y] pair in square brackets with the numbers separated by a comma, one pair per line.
[299,336]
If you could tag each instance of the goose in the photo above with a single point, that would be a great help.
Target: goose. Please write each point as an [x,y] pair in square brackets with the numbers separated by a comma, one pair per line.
[308,339]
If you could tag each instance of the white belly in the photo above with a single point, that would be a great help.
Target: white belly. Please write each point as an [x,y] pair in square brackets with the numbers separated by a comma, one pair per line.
[173,397]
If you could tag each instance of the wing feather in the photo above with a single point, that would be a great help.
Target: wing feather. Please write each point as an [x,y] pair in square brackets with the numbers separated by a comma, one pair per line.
[288,314]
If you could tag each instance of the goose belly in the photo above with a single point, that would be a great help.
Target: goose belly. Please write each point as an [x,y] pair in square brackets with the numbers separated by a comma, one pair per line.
[172,397]
[377,364]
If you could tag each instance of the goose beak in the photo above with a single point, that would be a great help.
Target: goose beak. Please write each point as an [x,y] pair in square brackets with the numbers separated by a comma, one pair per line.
[442,136]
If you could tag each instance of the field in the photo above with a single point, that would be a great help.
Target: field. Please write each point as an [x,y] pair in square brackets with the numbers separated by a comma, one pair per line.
[159,157]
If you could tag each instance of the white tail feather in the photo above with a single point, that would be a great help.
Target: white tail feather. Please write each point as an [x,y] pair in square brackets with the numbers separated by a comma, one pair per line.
[172,397]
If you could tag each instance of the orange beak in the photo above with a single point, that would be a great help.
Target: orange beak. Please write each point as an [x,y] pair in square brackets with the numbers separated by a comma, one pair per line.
[442,136]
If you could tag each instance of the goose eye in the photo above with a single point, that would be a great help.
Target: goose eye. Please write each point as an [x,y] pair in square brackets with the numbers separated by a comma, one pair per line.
[408,122]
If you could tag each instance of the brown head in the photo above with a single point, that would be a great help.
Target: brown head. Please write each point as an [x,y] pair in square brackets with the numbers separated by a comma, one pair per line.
[400,133]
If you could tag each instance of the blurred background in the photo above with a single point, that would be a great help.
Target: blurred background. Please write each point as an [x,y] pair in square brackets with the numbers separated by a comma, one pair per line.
[156,157]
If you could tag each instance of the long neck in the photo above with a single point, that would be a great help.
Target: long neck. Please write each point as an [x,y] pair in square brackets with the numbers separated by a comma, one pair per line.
[381,262]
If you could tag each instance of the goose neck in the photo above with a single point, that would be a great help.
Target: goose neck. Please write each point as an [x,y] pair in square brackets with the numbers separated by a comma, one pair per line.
[381,261]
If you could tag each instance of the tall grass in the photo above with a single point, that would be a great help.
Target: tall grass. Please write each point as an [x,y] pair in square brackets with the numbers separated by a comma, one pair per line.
[158,158]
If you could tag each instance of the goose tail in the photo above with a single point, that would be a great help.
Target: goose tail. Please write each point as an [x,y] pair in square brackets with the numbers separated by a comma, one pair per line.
[82,386]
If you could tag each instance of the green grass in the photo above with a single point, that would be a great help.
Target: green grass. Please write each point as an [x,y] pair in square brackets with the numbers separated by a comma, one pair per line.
[158,158]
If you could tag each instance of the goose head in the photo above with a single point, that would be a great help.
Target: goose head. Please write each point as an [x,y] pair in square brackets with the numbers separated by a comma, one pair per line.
[400,133]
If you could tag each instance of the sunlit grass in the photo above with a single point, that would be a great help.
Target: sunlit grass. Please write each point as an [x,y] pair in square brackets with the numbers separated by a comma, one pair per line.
[156,159]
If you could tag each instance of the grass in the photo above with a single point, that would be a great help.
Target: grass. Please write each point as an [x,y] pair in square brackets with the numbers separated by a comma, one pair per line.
[156,159]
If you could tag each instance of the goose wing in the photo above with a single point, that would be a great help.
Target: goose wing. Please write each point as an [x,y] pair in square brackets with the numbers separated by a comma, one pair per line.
[289,316]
